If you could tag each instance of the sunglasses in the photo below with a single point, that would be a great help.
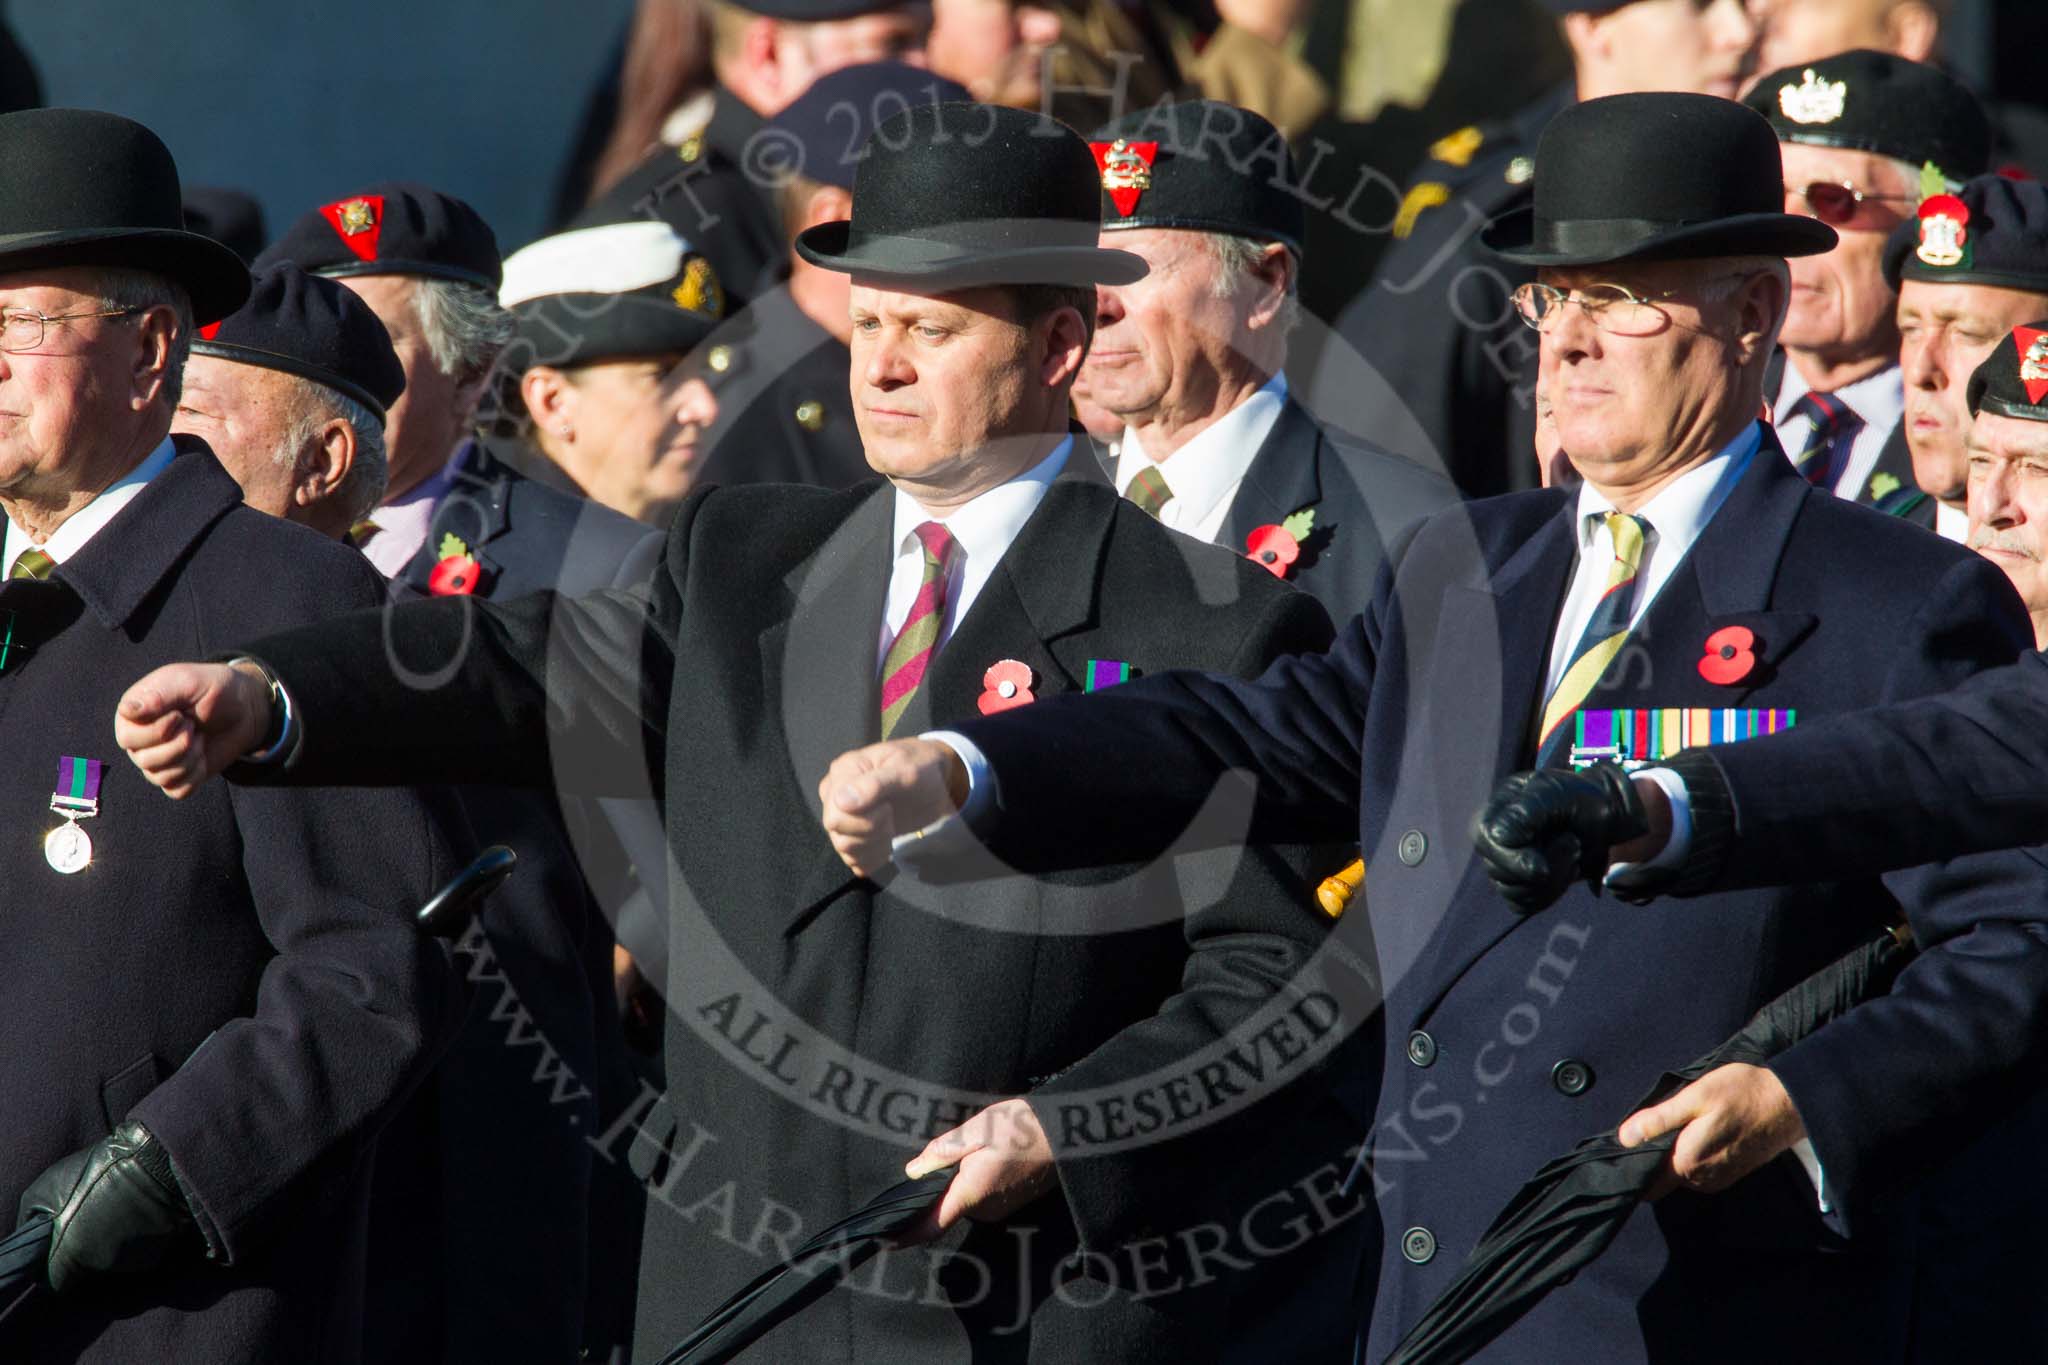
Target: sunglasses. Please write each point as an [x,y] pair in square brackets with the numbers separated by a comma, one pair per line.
[1840,205]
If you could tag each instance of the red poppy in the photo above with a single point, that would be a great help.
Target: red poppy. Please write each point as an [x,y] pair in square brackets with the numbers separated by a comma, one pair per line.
[1729,658]
[1008,685]
[455,576]
[1272,549]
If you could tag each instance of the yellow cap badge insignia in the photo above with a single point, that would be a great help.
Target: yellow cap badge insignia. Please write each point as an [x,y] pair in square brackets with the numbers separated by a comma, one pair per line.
[699,290]
[357,217]
[1126,171]
[1813,100]
[1457,148]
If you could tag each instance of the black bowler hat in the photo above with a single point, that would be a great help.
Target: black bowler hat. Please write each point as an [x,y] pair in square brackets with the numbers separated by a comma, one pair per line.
[2013,380]
[1657,177]
[948,196]
[609,292]
[311,327]
[230,217]
[1992,231]
[86,188]
[823,130]
[1874,102]
[1202,165]
[393,228]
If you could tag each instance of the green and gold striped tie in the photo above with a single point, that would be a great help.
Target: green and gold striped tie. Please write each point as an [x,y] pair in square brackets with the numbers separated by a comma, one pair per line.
[1149,490]
[32,563]
[1605,633]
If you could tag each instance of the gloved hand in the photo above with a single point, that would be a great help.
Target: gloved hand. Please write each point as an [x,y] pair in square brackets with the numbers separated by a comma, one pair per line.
[1542,830]
[117,1208]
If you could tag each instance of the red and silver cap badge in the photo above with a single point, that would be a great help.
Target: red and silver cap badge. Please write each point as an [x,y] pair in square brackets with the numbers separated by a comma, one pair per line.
[1126,170]
[1944,235]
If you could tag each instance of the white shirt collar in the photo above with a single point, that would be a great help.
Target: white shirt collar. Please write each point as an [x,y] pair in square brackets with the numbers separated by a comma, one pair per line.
[982,530]
[1207,470]
[82,525]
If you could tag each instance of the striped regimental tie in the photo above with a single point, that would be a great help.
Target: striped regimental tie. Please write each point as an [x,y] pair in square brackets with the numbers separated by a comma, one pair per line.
[1149,490]
[32,563]
[1602,639]
[1835,428]
[359,532]
[903,668]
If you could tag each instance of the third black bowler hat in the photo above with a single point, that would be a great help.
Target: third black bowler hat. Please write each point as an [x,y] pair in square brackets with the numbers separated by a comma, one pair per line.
[947,196]
[1657,177]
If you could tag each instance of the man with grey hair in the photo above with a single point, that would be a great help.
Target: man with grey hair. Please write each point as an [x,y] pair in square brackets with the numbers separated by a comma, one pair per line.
[1190,358]
[290,392]
[1866,138]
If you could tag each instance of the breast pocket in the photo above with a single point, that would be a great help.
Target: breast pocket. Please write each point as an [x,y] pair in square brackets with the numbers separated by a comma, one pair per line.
[125,1089]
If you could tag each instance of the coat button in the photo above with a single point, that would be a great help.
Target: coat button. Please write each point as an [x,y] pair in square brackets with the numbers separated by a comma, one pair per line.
[1412,848]
[1418,1245]
[1571,1077]
[1421,1048]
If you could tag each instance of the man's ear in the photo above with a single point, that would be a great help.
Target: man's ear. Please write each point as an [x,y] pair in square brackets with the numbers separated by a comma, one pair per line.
[324,465]
[1759,312]
[156,331]
[1912,30]
[1066,346]
[1587,35]
[1274,273]
[827,204]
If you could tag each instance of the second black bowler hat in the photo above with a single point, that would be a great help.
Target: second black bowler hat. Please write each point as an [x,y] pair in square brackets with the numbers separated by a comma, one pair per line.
[948,196]
[1657,177]
[84,188]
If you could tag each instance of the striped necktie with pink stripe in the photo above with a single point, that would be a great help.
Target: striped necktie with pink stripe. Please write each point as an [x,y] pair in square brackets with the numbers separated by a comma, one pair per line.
[903,668]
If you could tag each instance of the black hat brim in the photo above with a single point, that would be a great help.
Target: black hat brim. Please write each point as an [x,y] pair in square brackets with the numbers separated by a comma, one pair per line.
[1611,242]
[933,264]
[212,274]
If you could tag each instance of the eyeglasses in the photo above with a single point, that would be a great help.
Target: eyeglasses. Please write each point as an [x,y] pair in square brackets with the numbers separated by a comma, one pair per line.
[23,329]
[1838,205]
[1610,307]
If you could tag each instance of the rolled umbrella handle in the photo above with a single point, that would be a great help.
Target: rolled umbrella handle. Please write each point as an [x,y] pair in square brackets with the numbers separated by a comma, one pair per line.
[447,915]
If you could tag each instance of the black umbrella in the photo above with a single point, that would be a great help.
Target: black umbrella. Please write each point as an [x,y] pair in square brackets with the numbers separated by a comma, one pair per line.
[1561,1221]
[813,1269]
[446,916]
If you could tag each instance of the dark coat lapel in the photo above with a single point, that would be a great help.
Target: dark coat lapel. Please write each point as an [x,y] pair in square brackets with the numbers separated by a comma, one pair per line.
[146,539]
[1282,478]
[819,661]
[474,510]
[1893,471]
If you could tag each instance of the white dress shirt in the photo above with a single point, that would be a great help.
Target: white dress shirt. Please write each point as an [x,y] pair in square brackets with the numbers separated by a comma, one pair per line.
[1676,516]
[1880,400]
[982,530]
[1204,474]
[1951,523]
[404,523]
[82,525]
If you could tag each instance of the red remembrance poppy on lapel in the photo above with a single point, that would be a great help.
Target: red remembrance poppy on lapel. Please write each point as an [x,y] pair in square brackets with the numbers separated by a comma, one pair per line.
[1007,684]
[455,576]
[2032,343]
[359,222]
[1729,656]
[1126,171]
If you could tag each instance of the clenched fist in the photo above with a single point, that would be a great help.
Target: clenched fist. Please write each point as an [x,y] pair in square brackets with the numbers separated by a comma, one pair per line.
[872,795]
[184,723]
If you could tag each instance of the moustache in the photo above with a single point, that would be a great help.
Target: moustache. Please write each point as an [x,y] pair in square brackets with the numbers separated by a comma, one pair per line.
[2010,542]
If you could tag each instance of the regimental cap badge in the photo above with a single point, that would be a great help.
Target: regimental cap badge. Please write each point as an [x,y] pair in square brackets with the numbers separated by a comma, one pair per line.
[1944,238]
[1126,170]
[359,222]
[1813,100]
[699,290]
[2032,344]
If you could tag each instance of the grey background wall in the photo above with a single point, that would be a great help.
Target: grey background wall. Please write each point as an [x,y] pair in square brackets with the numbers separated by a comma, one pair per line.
[299,101]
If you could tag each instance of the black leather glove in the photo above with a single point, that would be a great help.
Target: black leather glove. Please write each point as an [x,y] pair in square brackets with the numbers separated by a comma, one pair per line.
[1540,831]
[116,1206]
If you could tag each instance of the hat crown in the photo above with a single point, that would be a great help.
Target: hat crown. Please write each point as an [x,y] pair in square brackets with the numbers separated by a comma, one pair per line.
[1614,159]
[313,327]
[81,169]
[976,173]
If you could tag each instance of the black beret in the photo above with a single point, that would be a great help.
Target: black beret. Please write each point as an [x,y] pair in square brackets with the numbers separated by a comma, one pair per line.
[2013,380]
[1874,102]
[1202,165]
[230,217]
[393,229]
[823,133]
[1992,231]
[311,327]
[609,292]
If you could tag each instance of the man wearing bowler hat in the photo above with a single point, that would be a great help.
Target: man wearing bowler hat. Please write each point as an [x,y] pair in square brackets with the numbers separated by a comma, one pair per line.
[1191,356]
[823,1027]
[290,392]
[212,1009]
[1694,589]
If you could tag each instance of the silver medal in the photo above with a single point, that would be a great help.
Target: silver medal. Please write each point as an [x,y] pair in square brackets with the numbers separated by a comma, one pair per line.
[67,848]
